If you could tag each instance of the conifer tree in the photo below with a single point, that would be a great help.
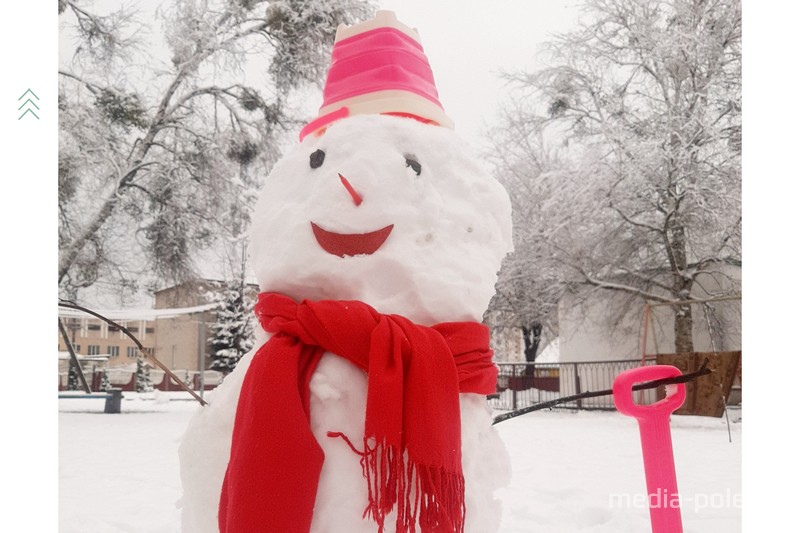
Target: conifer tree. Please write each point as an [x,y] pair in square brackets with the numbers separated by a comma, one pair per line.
[143,381]
[72,378]
[232,333]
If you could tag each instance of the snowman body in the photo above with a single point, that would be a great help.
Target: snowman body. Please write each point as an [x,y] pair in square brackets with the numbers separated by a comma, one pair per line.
[398,215]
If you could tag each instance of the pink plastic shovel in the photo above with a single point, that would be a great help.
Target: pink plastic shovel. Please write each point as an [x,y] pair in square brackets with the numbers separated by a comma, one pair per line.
[659,464]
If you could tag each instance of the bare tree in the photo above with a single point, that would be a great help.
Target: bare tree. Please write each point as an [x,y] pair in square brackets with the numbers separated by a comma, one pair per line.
[159,158]
[624,156]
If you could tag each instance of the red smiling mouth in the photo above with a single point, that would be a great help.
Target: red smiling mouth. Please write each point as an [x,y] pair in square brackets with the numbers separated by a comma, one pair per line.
[343,244]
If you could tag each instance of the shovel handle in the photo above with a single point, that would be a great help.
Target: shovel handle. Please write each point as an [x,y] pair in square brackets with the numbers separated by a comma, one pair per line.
[654,430]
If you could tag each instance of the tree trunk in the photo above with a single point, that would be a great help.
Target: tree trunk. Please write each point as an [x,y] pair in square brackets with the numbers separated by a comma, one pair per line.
[532,336]
[682,288]
[683,329]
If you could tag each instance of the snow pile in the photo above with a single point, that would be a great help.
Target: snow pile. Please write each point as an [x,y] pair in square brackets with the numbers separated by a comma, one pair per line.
[583,472]
[119,473]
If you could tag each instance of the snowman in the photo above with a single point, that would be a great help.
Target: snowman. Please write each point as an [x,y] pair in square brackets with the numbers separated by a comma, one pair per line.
[376,243]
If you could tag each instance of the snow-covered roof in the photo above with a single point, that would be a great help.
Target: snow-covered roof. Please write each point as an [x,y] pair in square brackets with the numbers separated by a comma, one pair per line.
[136,314]
[65,355]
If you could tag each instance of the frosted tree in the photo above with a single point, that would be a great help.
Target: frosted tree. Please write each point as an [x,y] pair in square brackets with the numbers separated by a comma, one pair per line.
[529,288]
[105,382]
[72,377]
[624,159]
[158,156]
[143,381]
[232,332]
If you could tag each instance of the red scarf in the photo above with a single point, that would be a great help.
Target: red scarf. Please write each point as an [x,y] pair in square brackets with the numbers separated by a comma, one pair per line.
[411,454]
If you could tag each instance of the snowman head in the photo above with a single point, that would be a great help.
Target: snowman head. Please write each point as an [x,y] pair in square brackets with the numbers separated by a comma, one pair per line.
[385,210]
[372,206]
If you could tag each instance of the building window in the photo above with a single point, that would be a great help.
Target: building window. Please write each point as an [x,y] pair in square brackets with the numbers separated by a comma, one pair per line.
[112,328]
[131,351]
[94,327]
[113,351]
[94,349]
[134,329]
[149,330]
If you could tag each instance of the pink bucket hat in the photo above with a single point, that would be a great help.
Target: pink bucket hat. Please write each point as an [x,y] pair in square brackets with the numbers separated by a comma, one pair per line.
[378,67]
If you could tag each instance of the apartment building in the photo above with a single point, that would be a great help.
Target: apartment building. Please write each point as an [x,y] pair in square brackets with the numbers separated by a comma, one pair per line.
[92,337]
[175,330]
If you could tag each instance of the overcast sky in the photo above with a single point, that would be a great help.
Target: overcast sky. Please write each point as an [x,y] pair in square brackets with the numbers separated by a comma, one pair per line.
[469,42]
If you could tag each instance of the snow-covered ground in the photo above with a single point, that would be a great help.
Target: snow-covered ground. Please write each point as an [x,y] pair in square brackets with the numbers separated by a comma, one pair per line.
[573,472]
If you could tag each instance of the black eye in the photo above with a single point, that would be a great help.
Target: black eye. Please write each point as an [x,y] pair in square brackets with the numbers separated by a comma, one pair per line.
[316,159]
[414,164]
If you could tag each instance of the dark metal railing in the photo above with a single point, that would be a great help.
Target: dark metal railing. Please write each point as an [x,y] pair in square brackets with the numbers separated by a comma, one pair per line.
[521,385]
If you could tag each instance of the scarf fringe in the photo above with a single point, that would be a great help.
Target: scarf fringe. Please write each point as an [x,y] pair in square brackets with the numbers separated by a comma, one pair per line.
[429,496]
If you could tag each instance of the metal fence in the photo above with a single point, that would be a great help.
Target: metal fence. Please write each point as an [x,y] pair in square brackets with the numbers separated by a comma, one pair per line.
[524,384]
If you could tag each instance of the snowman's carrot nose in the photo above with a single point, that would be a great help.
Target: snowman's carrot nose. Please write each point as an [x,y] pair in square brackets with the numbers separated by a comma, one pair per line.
[357,199]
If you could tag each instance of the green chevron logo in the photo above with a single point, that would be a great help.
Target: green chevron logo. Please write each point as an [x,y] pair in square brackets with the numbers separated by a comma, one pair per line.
[28,109]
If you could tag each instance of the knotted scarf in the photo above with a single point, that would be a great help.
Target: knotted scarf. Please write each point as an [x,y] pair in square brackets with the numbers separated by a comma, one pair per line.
[411,455]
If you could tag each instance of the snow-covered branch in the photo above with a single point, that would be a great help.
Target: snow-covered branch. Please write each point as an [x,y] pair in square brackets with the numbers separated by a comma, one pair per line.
[141,150]
[639,114]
